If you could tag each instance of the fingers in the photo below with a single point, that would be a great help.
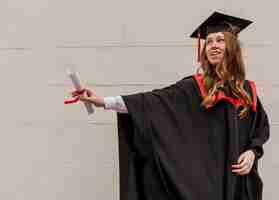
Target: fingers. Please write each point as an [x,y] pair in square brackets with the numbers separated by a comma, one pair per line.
[75,93]
[84,98]
[244,165]
[243,172]
[78,92]
[245,169]
[241,158]
[241,163]
[89,92]
[88,96]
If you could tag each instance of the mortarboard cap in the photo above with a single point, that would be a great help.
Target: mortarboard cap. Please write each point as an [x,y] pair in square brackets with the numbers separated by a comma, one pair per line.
[219,22]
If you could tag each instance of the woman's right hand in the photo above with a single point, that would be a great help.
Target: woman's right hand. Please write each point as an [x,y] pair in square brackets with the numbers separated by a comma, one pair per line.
[90,96]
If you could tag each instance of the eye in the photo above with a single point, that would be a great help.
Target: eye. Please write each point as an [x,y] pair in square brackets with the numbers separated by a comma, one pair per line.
[209,41]
[220,40]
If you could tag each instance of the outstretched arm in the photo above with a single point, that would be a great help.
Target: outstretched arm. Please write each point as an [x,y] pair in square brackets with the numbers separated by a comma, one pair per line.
[109,103]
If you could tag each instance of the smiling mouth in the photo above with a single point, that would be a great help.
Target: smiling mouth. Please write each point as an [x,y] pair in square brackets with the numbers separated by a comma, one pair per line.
[215,53]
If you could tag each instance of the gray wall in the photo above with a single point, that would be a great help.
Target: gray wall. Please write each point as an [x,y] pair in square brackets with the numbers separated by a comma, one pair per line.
[51,151]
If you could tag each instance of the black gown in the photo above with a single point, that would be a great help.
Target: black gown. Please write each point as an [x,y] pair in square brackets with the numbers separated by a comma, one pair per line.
[172,148]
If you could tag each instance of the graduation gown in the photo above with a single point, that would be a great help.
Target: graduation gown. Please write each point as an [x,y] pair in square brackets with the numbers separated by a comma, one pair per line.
[172,148]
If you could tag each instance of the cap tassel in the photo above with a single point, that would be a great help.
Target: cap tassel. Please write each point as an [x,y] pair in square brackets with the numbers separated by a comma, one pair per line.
[199,47]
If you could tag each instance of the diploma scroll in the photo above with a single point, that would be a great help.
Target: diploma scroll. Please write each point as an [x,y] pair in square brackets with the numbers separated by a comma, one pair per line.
[77,85]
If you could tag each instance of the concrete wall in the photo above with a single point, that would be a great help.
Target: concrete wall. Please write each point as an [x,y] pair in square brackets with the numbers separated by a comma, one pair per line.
[51,151]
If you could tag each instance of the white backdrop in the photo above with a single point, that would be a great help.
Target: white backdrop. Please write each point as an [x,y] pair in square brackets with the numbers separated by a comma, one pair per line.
[51,151]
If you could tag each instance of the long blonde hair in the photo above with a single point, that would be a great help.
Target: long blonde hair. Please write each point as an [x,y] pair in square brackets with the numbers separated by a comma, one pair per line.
[229,75]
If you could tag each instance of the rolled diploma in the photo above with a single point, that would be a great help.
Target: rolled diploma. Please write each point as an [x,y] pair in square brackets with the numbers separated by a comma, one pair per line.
[76,82]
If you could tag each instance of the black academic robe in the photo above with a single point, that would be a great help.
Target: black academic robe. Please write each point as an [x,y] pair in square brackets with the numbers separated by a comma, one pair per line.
[172,148]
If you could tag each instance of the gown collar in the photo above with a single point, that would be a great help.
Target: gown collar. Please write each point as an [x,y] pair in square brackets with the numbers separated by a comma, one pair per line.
[220,95]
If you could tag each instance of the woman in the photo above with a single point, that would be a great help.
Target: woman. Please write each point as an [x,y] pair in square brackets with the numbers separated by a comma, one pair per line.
[199,138]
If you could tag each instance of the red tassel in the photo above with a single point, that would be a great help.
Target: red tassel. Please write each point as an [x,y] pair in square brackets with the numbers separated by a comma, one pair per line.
[199,47]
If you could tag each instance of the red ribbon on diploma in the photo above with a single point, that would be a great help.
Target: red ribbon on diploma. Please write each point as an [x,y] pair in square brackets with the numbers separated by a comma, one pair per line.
[75,94]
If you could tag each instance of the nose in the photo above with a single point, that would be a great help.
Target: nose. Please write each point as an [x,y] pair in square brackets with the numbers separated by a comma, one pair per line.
[214,45]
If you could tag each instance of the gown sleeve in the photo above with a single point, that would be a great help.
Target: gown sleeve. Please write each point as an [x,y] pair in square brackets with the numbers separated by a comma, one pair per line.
[136,153]
[259,136]
[261,132]
[158,102]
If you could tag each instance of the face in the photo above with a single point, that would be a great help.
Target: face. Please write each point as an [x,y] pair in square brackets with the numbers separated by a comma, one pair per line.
[215,47]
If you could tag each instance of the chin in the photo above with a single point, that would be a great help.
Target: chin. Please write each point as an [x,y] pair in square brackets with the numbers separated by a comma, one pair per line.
[214,62]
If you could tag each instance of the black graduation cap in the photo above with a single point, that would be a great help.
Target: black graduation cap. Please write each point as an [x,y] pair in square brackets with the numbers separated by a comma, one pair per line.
[219,22]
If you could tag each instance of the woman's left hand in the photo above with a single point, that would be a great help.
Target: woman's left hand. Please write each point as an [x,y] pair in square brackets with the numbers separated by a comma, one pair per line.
[245,163]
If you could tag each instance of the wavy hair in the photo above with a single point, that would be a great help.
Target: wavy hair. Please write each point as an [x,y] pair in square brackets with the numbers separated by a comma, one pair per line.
[228,76]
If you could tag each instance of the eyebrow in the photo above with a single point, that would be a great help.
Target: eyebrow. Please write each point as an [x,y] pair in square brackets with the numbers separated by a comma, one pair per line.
[222,36]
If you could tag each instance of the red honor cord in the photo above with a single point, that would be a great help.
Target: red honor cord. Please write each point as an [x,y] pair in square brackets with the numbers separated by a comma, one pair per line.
[76,95]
